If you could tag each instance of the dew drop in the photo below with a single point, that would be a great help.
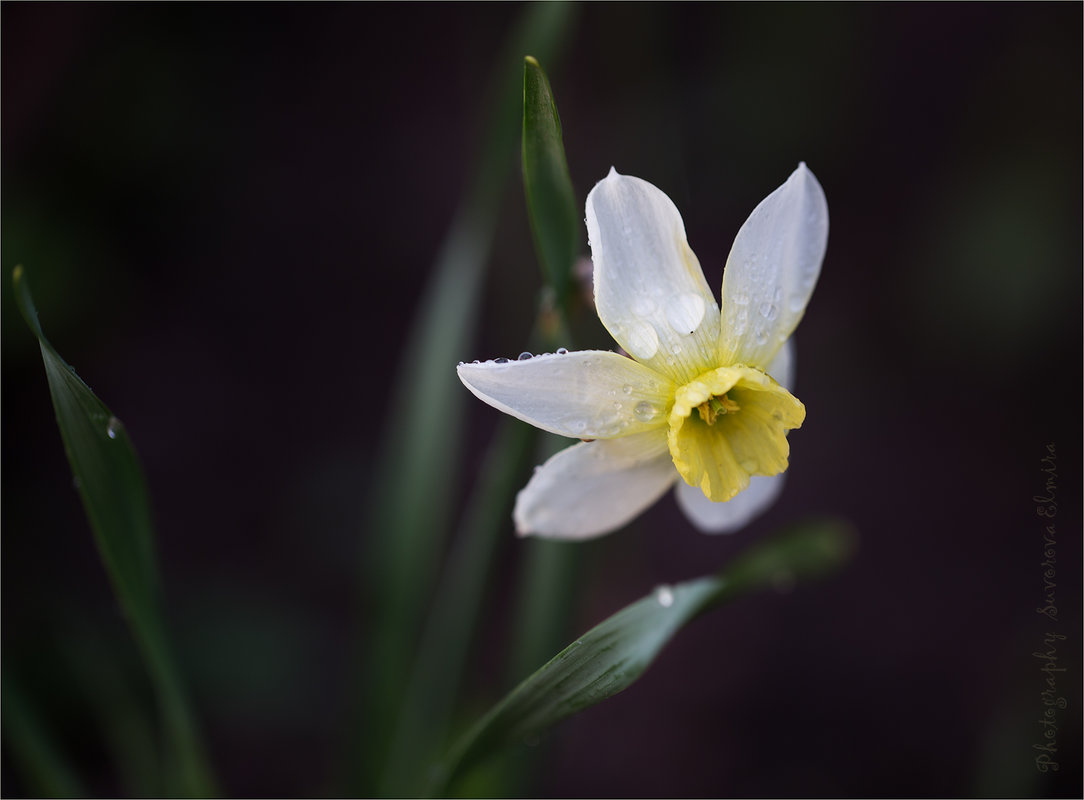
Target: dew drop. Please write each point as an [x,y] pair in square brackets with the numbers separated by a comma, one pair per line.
[641,340]
[626,389]
[761,335]
[500,361]
[665,595]
[749,465]
[618,406]
[562,351]
[797,302]
[777,295]
[741,298]
[579,426]
[112,427]
[645,411]
[524,356]
[768,310]
[685,311]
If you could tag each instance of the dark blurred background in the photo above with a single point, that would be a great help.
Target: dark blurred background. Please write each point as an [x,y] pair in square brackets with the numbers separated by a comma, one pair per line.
[227,215]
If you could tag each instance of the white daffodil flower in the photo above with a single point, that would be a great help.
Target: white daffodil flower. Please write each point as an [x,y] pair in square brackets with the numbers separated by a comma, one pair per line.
[703,401]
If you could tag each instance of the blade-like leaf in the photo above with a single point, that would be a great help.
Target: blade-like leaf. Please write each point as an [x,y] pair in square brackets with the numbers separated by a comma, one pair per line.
[551,201]
[609,657]
[408,532]
[115,498]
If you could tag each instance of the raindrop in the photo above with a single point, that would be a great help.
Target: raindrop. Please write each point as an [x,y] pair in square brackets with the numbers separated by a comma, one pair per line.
[112,428]
[524,356]
[500,361]
[665,595]
[562,351]
[685,311]
[641,340]
[644,411]
[768,310]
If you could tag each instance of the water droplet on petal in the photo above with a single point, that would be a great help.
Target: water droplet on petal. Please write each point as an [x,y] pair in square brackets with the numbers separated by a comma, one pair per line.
[579,426]
[741,298]
[500,361]
[641,340]
[768,310]
[524,356]
[749,465]
[562,351]
[626,389]
[777,295]
[761,335]
[685,311]
[112,427]
[665,595]
[645,411]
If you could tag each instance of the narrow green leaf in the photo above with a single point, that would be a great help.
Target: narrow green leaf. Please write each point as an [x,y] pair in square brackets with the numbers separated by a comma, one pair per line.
[414,489]
[551,201]
[420,732]
[611,656]
[116,502]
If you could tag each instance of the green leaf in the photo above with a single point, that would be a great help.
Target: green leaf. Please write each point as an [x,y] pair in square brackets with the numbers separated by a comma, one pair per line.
[116,502]
[551,201]
[611,656]
[414,490]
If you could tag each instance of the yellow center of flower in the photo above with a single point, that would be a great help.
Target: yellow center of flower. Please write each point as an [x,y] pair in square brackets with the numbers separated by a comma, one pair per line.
[740,429]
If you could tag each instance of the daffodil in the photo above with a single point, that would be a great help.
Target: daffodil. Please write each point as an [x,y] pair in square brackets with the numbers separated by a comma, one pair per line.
[702,400]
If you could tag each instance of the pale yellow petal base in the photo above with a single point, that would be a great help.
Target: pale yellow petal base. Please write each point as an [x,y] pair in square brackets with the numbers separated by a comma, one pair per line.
[730,423]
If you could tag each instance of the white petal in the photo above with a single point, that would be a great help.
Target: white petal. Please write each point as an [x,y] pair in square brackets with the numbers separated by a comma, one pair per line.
[594,488]
[590,394]
[735,513]
[781,367]
[772,269]
[649,289]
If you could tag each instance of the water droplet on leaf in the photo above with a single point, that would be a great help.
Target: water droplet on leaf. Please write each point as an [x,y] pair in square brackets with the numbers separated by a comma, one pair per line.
[112,428]
[665,595]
